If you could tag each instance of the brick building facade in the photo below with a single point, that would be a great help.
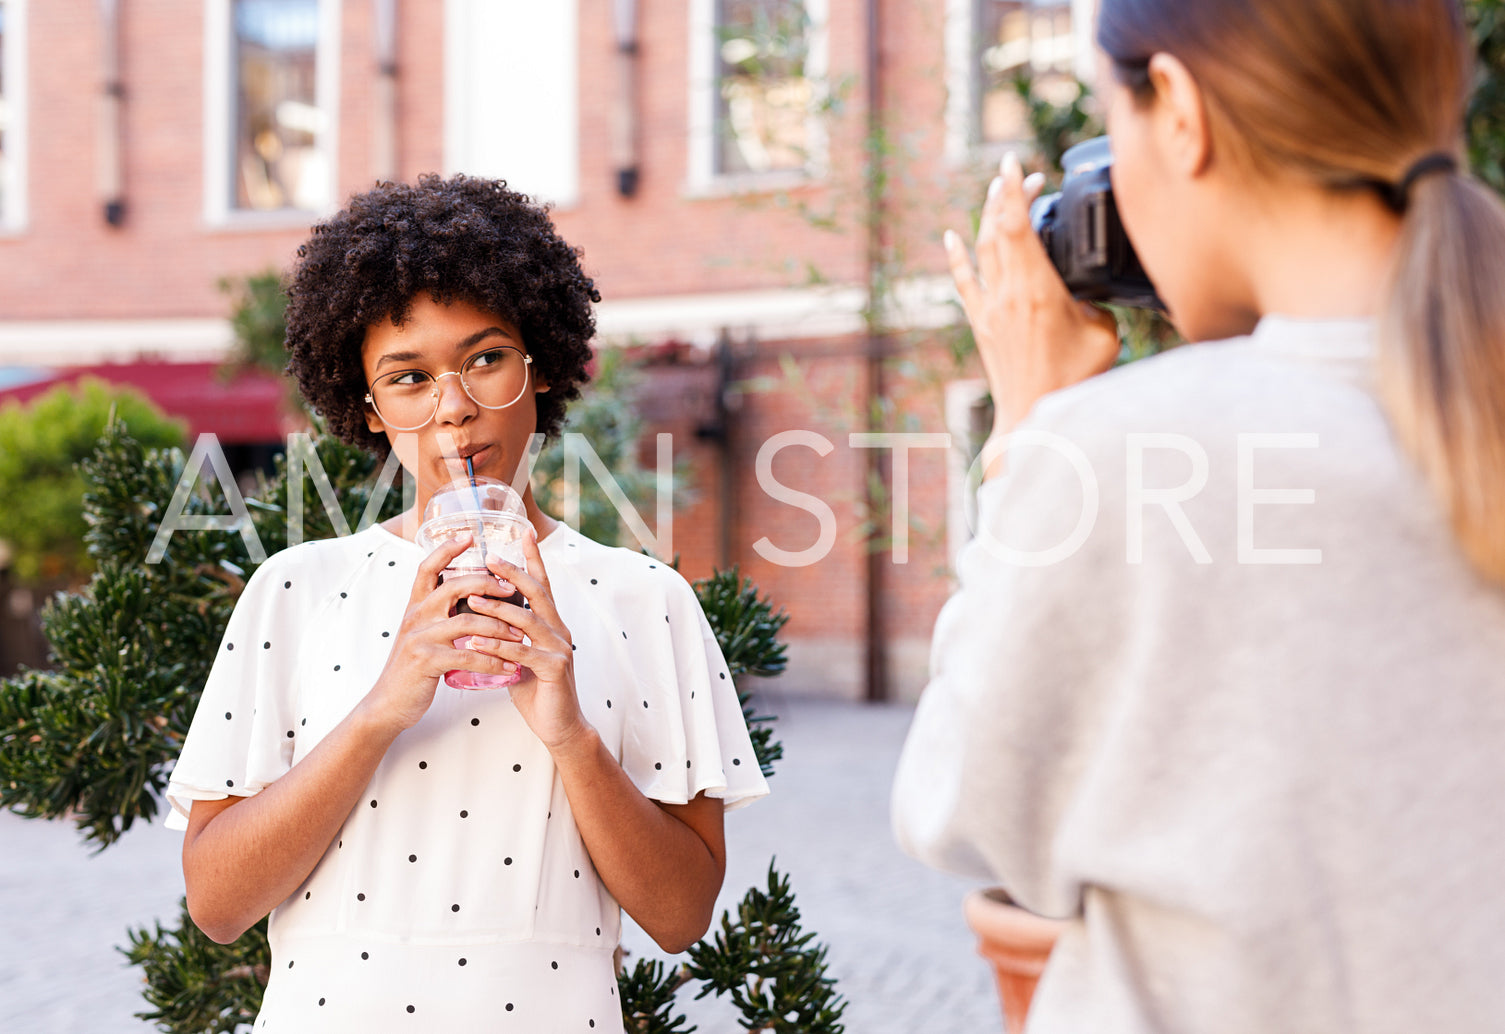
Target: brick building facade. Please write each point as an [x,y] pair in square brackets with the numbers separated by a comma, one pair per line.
[134,175]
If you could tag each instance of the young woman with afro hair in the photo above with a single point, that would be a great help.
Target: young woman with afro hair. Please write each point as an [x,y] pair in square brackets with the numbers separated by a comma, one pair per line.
[433,854]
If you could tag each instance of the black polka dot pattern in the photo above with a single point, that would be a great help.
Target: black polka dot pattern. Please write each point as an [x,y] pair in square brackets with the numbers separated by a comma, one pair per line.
[445,784]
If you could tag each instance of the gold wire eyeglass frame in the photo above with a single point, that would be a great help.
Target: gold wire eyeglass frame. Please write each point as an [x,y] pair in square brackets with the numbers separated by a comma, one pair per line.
[460,373]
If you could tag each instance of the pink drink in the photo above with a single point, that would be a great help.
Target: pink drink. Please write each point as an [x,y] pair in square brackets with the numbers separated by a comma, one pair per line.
[493,515]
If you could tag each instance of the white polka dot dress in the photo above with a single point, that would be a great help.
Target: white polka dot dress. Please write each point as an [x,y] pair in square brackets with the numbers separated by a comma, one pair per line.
[458,895]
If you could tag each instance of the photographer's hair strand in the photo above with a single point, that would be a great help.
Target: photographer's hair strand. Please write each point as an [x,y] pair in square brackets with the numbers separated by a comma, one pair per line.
[1353,93]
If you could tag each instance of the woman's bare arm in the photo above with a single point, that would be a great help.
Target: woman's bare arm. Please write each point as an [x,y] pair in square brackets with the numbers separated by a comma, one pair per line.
[243,856]
[662,862]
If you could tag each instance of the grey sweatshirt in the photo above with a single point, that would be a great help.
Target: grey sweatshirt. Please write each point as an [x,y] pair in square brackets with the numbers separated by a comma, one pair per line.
[1246,729]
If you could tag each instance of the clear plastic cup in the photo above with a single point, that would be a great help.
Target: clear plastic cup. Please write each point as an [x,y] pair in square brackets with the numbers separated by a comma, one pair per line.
[494,515]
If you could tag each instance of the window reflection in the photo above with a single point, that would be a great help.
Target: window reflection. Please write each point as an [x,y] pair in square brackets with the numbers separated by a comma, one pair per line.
[764,96]
[1022,37]
[278,123]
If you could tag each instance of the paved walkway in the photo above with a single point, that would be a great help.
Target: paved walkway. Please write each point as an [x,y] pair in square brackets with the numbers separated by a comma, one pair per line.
[898,947]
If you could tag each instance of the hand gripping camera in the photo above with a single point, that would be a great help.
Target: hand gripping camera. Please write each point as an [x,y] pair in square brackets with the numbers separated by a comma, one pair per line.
[1083,236]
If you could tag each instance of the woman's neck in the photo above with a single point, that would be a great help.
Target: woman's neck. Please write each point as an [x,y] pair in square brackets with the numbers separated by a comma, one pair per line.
[1320,254]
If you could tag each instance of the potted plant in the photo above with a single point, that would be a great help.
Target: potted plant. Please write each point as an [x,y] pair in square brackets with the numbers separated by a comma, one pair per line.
[1016,942]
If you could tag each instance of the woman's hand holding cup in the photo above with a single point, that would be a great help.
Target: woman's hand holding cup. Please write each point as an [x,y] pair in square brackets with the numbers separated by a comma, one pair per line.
[425,645]
[545,695]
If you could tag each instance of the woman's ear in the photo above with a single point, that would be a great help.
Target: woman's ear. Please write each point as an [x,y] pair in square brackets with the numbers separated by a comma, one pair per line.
[1182,128]
[373,422]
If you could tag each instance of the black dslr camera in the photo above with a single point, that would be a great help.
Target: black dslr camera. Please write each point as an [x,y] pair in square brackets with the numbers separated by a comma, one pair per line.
[1083,236]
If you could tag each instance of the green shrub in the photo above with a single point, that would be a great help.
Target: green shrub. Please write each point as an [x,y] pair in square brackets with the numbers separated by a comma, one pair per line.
[41,445]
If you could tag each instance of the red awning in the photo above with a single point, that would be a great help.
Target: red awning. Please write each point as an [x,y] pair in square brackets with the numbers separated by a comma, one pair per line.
[244,408]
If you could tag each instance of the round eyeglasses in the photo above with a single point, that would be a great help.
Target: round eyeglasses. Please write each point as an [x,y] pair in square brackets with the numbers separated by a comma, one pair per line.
[408,399]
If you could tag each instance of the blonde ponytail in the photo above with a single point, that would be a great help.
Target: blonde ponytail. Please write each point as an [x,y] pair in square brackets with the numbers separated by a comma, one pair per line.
[1442,356]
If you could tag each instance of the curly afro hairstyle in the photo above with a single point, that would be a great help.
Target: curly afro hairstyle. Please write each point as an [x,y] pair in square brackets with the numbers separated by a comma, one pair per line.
[458,239]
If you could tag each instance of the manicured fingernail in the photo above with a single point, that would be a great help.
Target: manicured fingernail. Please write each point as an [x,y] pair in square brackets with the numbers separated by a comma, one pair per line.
[478,600]
[995,187]
[1034,180]
[950,240]
[508,667]
[1010,164]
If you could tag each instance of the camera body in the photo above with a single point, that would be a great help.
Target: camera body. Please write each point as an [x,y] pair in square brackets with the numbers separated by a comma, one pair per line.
[1083,236]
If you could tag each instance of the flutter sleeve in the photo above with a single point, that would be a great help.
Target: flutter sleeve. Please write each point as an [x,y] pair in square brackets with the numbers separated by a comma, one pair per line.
[685,734]
[242,735]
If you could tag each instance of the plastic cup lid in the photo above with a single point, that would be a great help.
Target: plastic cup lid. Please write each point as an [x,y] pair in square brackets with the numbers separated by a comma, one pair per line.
[486,495]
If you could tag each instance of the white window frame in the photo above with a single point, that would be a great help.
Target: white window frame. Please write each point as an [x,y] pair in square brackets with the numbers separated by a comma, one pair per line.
[552,74]
[14,206]
[963,83]
[219,120]
[703,180]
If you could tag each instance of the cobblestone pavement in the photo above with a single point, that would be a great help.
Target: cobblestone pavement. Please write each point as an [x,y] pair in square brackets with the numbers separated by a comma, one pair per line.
[897,945]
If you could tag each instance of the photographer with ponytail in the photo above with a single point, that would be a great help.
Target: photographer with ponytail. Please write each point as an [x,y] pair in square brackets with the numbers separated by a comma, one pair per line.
[1223,683]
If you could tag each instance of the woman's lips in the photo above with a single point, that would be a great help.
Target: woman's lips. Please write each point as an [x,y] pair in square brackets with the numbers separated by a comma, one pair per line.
[476,457]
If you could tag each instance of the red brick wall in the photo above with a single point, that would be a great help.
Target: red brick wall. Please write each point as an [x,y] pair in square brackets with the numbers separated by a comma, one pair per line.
[164,262]
[818,386]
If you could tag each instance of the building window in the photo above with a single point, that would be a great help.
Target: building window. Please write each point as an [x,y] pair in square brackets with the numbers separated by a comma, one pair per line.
[512,94]
[12,116]
[1021,38]
[272,92]
[764,93]
[757,80]
[277,118]
[990,45]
